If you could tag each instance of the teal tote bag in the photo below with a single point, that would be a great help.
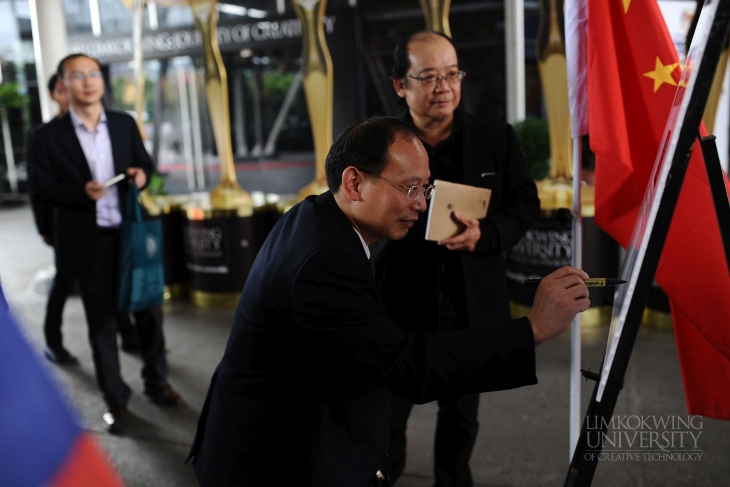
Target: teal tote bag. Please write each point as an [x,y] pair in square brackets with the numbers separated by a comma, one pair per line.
[141,274]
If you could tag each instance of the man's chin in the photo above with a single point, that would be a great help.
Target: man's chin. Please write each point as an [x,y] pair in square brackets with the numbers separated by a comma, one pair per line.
[399,234]
[442,114]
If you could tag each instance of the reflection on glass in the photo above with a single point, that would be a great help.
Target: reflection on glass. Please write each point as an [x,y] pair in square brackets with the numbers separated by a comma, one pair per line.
[116,19]
[186,136]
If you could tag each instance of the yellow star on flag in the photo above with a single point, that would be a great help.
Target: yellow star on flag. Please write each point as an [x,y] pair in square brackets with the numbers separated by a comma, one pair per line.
[662,74]
[626,6]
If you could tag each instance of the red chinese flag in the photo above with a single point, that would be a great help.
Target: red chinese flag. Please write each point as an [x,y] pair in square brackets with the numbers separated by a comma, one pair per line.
[633,70]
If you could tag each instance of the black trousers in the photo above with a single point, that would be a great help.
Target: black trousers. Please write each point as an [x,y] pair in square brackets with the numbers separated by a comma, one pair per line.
[61,288]
[98,292]
[456,432]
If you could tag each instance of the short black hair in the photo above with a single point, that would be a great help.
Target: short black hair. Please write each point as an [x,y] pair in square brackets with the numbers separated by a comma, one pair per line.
[62,62]
[52,83]
[401,63]
[365,146]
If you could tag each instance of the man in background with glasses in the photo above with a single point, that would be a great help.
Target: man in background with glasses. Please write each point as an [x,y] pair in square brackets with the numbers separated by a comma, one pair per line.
[73,158]
[63,282]
[301,395]
[460,282]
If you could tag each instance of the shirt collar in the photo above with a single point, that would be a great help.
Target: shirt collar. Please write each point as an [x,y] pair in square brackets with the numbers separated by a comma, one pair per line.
[455,130]
[362,241]
[78,122]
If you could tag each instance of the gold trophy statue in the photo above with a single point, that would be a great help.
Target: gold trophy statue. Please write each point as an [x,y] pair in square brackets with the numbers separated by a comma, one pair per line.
[556,191]
[713,100]
[137,7]
[437,15]
[317,70]
[228,195]
[221,234]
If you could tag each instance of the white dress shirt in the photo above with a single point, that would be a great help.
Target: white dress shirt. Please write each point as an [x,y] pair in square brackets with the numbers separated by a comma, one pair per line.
[364,245]
[97,148]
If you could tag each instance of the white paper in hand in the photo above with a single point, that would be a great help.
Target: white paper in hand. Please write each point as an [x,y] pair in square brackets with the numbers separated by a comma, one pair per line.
[114,180]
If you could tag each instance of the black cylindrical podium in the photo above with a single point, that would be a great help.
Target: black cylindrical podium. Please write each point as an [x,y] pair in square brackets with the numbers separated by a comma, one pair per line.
[220,248]
[219,251]
[173,218]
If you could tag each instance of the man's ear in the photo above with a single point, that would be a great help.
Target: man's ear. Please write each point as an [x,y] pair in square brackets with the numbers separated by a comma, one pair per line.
[351,183]
[399,85]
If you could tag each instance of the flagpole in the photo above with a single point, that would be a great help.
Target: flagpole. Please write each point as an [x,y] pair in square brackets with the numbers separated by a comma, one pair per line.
[576,22]
[514,41]
[575,331]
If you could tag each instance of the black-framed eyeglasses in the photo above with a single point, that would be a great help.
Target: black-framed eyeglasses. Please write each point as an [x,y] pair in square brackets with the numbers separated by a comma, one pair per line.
[451,78]
[412,192]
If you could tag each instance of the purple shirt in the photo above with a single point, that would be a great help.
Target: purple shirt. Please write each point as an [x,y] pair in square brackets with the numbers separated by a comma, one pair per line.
[97,147]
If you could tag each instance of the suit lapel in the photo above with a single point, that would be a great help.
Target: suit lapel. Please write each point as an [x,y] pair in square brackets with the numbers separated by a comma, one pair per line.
[467,151]
[478,152]
[329,205]
[69,142]
[115,136]
[116,130]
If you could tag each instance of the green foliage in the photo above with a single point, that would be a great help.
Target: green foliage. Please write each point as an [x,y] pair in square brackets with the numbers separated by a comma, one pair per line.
[122,89]
[156,186]
[533,137]
[10,96]
[274,86]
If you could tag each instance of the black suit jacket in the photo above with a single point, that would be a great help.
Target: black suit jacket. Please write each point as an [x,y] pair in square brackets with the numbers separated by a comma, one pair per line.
[301,394]
[42,212]
[59,172]
[491,158]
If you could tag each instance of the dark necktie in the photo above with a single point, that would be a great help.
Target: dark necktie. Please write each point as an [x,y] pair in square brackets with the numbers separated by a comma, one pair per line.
[371,261]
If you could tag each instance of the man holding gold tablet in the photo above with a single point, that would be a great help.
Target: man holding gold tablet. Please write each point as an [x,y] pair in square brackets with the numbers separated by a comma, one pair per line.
[458,282]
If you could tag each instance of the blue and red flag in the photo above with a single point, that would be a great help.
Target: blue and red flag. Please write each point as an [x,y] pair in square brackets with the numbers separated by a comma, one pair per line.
[41,442]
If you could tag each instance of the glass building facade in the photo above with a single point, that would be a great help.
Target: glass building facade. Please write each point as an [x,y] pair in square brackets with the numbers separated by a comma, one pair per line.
[260,48]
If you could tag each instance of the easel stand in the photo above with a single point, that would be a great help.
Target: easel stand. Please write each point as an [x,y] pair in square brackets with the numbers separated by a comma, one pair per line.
[599,414]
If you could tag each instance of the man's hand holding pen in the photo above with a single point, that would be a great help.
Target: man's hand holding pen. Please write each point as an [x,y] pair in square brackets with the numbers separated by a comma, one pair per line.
[559,297]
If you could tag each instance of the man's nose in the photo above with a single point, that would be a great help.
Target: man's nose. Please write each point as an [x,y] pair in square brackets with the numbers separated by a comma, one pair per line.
[419,204]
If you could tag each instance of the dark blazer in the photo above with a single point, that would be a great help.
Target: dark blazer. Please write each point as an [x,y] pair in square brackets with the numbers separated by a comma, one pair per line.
[42,212]
[491,159]
[301,394]
[59,172]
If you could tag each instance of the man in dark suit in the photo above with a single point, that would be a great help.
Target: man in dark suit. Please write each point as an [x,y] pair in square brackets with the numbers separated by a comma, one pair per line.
[63,283]
[459,282]
[43,216]
[301,396]
[72,158]
[42,213]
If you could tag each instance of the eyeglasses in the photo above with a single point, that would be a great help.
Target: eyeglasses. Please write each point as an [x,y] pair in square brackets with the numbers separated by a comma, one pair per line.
[78,76]
[433,79]
[412,192]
